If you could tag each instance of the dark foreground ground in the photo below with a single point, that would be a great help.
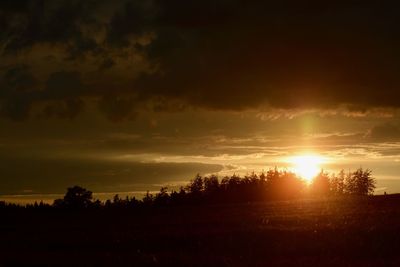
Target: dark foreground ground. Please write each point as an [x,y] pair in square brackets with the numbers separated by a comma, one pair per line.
[350,232]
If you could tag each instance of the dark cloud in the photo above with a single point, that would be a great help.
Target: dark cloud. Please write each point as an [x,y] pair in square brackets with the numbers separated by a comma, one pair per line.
[225,55]
[53,176]
[54,22]
[64,84]
[385,132]
[60,95]
[17,91]
[286,54]
[66,109]
[117,107]
[133,19]
[18,79]
[107,63]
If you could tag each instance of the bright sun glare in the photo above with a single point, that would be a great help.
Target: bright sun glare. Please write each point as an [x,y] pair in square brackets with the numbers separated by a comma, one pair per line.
[307,166]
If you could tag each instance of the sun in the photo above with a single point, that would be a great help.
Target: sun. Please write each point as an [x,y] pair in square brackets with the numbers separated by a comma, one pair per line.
[307,166]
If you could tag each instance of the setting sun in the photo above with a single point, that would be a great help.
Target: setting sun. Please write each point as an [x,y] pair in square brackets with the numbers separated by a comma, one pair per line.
[307,166]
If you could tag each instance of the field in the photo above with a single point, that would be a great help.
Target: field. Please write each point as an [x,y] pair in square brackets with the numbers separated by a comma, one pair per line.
[325,232]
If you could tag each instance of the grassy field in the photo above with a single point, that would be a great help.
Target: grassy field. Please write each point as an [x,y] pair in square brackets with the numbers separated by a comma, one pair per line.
[325,232]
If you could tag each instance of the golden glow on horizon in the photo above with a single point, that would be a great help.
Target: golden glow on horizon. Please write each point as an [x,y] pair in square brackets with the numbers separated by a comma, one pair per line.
[307,166]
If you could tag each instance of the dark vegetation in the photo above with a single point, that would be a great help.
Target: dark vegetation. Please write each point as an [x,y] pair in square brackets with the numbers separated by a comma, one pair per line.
[271,186]
[348,231]
[258,220]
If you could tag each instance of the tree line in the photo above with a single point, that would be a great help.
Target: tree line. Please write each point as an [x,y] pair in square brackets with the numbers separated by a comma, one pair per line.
[273,185]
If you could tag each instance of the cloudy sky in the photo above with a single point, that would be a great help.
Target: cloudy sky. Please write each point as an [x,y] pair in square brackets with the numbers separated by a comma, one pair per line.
[130,95]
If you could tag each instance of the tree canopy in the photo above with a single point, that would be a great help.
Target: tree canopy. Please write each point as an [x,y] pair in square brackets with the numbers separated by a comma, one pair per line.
[273,185]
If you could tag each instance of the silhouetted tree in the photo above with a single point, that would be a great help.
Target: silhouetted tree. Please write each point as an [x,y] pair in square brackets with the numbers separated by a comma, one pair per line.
[162,197]
[364,182]
[148,199]
[321,184]
[224,183]
[76,197]
[108,203]
[196,185]
[58,203]
[178,198]
[117,202]
[340,182]
[274,185]
[283,185]
[211,184]
[350,184]
[97,204]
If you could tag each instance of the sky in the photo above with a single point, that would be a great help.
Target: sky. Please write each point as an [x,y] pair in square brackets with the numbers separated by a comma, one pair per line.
[128,96]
